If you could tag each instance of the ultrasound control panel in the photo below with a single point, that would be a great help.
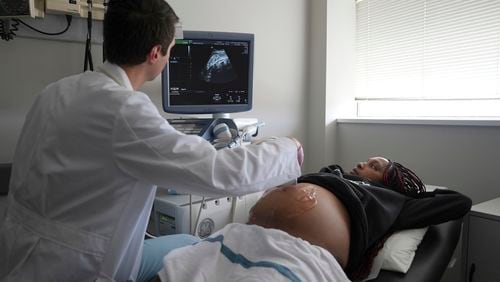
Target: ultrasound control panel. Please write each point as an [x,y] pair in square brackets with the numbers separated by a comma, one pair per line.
[200,126]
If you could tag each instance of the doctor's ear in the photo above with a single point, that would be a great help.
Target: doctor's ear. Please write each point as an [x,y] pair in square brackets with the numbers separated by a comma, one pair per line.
[155,53]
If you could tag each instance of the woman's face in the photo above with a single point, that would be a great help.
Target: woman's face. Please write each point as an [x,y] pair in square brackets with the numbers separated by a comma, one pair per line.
[373,169]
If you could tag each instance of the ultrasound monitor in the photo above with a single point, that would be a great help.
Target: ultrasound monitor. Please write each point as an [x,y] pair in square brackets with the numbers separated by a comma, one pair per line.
[209,73]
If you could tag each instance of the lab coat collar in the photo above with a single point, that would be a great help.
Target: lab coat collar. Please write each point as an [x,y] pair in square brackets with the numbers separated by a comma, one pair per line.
[117,74]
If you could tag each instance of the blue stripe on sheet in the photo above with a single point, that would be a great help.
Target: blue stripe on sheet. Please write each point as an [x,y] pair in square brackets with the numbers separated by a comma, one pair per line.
[241,260]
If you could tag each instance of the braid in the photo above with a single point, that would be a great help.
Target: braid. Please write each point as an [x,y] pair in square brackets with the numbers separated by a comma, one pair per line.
[402,179]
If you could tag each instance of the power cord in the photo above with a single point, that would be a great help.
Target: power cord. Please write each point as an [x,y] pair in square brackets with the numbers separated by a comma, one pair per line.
[202,204]
[68,20]
[150,236]
[88,63]
[7,30]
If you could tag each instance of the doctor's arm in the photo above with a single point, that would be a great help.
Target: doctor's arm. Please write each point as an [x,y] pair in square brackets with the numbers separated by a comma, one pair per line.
[147,148]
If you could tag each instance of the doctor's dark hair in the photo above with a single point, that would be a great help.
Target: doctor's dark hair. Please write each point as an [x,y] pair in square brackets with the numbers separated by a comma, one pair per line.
[132,27]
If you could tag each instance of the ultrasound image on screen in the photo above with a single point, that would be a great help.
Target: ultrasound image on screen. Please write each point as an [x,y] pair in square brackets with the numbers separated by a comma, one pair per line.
[218,68]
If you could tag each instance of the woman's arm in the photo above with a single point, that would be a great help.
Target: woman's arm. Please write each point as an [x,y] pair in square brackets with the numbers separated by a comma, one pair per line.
[431,208]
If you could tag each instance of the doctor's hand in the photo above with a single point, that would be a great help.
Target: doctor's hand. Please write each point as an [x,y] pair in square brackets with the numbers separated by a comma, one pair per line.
[300,151]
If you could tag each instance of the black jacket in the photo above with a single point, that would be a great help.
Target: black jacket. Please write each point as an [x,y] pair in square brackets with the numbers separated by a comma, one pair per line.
[376,211]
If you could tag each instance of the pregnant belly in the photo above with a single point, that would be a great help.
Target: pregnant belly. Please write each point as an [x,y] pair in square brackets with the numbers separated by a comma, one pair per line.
[309,212]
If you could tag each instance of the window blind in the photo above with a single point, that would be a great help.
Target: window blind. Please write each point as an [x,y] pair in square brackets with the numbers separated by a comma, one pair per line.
[428,58]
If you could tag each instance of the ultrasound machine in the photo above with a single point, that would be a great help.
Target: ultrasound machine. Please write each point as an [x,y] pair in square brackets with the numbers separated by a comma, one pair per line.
[207,73]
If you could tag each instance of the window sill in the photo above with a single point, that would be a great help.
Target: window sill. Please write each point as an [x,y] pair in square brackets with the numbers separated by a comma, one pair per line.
[409,121]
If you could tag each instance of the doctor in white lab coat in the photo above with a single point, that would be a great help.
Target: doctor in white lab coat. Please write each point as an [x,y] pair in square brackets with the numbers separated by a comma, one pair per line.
[92,150]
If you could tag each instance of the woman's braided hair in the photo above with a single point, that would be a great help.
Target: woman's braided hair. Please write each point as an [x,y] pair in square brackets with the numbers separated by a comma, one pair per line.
[402,179]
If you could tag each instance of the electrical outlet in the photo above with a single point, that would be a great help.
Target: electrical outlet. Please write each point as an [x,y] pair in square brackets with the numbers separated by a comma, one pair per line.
[77,8]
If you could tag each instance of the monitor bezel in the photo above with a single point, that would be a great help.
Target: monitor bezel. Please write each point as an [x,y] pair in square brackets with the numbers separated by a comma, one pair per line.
[211,109]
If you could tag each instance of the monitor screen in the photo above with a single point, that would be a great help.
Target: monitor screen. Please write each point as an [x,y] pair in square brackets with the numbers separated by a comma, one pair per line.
[209,73]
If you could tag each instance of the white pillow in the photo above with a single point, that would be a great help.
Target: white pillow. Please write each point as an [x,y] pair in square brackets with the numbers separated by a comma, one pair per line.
[398,252]
[400,247]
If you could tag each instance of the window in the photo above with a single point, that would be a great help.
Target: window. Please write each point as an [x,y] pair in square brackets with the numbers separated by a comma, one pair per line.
[428,58]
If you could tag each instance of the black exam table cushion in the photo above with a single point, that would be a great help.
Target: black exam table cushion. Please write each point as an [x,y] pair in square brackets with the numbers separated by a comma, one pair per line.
[432,256]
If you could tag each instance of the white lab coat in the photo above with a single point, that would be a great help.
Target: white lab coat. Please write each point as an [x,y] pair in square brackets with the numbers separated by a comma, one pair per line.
[84,175]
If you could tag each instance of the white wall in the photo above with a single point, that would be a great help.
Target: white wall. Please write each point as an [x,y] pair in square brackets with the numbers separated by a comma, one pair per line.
[331,77]
[280,78]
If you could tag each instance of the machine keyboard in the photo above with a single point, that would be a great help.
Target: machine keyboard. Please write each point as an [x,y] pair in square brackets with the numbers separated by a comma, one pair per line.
[190,126]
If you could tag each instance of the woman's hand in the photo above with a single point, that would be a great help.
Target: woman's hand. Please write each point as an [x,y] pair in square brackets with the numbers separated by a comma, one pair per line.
[300,151]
